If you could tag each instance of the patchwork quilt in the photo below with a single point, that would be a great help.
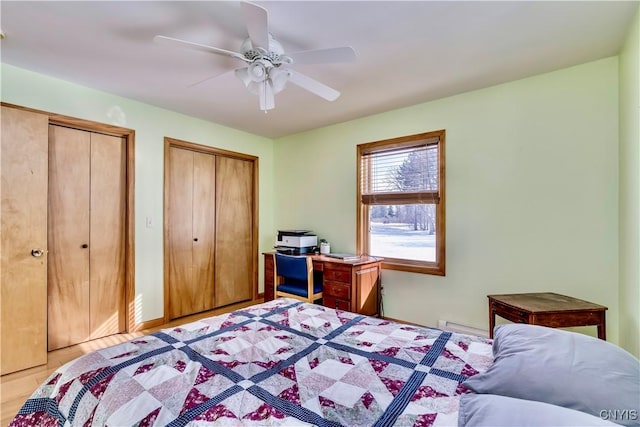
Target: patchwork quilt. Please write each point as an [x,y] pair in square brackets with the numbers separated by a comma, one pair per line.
[284,362]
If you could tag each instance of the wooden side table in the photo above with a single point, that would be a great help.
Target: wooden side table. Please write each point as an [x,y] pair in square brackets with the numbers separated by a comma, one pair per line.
[546,309]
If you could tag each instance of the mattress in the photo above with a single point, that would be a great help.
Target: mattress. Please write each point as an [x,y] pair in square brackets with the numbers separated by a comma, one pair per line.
[283,362]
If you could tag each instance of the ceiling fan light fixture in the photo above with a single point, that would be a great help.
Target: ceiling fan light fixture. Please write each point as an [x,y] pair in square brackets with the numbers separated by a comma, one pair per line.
[243,75]
[254,87]
[278,78]
[258,70]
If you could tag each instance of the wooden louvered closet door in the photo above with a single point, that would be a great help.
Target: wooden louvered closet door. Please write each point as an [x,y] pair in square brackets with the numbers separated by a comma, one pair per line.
[86,271]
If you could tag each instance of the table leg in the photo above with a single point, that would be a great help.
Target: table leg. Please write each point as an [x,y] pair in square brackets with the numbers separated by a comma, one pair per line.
[492,319]
[602,328]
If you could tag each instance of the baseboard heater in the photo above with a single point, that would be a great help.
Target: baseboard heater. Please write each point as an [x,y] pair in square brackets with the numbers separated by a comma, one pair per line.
[446,325]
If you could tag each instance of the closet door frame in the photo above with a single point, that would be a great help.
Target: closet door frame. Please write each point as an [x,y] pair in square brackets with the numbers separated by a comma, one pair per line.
[128,136]
[172,142]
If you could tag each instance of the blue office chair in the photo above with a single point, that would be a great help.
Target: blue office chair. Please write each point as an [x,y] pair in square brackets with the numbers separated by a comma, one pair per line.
[294,278]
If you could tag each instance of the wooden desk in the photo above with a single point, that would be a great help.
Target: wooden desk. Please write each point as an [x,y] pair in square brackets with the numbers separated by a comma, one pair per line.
[346,285]
[547,309]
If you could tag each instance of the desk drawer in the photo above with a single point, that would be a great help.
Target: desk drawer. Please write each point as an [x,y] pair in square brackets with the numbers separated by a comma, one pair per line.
[343,276]
[336,303]
[337,290]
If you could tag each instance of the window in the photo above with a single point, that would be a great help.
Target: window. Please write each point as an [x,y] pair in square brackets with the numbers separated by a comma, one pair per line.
[401,209]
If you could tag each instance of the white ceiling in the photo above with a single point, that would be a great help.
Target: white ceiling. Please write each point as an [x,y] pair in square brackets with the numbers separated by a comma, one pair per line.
[407,52]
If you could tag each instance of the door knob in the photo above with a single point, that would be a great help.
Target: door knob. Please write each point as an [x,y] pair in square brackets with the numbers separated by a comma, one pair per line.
[195,240]
[85,246]
[37,252]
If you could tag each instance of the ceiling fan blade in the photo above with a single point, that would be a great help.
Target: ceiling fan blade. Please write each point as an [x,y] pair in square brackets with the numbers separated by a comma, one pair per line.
[256,19]
[267,98]
[197,46]
[324,56]
[313,86]
[215,76]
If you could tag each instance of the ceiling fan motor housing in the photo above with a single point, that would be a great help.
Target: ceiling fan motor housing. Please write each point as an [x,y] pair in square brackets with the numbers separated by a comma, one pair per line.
[274,53]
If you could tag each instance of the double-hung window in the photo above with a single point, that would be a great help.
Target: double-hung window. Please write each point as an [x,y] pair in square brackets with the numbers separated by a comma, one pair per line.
[401,209]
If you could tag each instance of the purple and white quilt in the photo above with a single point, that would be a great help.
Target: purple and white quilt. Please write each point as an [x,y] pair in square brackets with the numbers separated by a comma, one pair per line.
[279,363]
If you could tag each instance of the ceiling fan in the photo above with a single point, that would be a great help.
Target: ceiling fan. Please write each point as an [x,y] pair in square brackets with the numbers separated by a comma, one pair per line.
[267,66]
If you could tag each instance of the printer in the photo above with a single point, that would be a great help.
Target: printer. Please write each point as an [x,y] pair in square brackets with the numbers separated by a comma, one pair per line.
[296,242]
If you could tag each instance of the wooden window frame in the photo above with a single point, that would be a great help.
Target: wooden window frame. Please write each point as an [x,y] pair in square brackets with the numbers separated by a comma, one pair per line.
[363,203]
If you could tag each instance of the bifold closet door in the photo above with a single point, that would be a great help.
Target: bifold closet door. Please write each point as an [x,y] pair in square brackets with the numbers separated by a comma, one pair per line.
[190,232]
[23,271]
[86,236]
[107,236]
[234,225]
[204,213]
[69,187]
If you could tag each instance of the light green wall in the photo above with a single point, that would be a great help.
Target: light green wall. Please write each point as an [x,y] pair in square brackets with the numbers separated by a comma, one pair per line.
[630,190]
[151,125]
[531,187]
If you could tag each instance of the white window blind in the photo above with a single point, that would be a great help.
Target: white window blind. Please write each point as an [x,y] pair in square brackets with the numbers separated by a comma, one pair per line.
[401,175]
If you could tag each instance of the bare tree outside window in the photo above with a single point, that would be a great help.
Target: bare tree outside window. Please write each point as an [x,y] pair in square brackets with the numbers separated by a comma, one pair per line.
[401,202]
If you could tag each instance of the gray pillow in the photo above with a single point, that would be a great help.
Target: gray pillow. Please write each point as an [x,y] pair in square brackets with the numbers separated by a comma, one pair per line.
[565,369]
[501,411]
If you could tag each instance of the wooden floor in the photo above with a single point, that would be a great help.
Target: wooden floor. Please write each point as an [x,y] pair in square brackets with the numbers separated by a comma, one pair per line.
[16,388]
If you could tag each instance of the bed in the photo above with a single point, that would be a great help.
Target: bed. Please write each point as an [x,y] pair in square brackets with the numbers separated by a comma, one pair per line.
[284,362]
[289,363]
